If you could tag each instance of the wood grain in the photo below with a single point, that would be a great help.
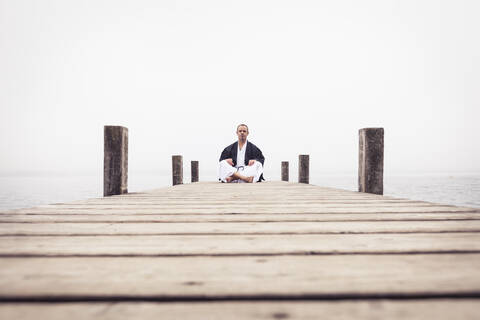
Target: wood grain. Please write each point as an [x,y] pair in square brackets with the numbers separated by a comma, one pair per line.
[240,245]
[211,250]
[287,276]
[268,217]
[439,309]
[327,227]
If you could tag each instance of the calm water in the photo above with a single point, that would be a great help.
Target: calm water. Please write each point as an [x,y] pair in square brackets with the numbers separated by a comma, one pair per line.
[455,189]
[32,190]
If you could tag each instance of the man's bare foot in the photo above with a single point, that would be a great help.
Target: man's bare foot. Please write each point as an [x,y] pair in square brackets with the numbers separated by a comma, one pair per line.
[247,179]
[237,176]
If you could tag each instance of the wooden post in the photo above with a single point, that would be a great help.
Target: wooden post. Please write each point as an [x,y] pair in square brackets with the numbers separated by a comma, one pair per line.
[370,160]
[194,169]
[285,172]
[303,168]
[177,170]
[115,160]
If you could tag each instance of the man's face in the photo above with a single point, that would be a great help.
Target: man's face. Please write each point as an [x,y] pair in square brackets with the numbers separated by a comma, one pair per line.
[242,133]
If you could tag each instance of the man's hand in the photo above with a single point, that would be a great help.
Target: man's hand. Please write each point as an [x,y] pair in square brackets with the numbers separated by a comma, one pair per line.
[251,162]
[230,161]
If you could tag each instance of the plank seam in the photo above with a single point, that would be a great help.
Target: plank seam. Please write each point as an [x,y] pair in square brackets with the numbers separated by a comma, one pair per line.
[244,221]
[241,213]
[229,234]
[247,254]
[234,298]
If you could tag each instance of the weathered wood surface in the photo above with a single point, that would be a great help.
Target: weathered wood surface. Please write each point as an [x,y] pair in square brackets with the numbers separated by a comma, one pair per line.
[197,277]
[304,168]
[177,170]
[248,209]
[245,245]
[441,309]
[370,160]
[177,228]
[116,245]
[115,160]
[285,173]
[299,217]
[194,171]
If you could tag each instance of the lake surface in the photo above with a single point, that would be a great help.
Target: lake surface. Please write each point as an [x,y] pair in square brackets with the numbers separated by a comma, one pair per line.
[23,191]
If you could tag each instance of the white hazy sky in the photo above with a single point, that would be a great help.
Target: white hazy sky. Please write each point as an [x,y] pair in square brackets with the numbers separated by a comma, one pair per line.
[304,75]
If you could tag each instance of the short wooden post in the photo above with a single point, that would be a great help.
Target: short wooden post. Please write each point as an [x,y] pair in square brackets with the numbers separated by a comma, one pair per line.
[370,160]
[177,170]
[194,169]
[303,168]
[115,160]
[285,172]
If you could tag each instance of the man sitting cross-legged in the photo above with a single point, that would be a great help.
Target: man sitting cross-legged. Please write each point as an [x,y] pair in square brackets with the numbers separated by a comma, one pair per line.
[241,161]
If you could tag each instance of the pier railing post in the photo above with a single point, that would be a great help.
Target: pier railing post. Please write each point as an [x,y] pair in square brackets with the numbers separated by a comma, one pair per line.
[115,160]
[194,169]
[285,172]
[303,168]
[370,160]
[177,170]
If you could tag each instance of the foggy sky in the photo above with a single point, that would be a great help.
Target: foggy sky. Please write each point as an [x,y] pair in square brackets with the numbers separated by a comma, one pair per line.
[304,75]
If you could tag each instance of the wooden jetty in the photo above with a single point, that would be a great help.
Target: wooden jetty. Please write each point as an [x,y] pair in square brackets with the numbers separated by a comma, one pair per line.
[274,250]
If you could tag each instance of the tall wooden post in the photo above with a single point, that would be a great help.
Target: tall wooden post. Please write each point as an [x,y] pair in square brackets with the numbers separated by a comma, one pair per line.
[285,172]
[177,170]
[303,168]
[194,169]
[115,160]
[370,160]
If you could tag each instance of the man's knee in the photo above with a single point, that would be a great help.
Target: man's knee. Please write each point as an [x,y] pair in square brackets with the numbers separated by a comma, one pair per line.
[225,163]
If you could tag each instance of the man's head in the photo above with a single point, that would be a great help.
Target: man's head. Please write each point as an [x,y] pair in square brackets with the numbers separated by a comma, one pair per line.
[242,132]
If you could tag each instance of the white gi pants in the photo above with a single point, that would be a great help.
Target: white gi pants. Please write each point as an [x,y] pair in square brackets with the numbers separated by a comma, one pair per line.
[226,170]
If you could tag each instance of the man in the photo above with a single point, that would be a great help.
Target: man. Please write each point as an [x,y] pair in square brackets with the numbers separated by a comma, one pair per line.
[241,161]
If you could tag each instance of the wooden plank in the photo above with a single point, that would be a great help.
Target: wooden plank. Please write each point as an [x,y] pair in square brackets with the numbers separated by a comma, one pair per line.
[239,194]
[239,244]
[111,218]
[196,196]
[425,250]
[252,209]
[439,309]
[211,205]
[254,277]
[185,202]
[328,227]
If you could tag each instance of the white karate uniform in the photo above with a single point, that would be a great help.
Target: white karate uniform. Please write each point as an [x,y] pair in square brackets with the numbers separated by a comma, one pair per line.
[226,170]
[241,155]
